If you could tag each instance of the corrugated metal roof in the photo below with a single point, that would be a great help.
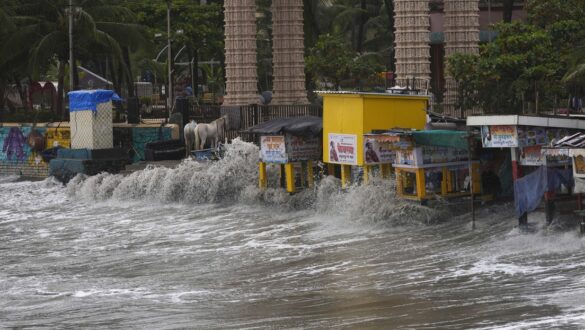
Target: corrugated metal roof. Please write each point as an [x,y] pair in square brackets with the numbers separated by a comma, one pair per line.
[576,140]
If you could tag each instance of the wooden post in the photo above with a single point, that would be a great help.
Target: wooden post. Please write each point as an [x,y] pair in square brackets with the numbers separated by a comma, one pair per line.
[310,180]
[476,178]
[262,175]
[421,190]
[517,174]
[290,177]
[282,176]
[366,174]
[385,170]
[471,183]
[516,170]
[331,169]
[399,182]
[580,207]
[345,176]
[444,184]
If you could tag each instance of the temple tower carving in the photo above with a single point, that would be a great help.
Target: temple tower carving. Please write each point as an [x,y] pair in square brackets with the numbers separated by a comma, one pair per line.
[461,36]
[412,38]
[240,53]
[288,52]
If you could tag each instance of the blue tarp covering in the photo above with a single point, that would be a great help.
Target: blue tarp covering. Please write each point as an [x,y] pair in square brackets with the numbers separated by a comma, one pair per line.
[89,99]
[529,190]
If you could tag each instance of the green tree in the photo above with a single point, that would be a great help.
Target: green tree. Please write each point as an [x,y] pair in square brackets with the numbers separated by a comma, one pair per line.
[518,72]
[464,69]
[200,32]
[563,20]
[332,61]
[10,68]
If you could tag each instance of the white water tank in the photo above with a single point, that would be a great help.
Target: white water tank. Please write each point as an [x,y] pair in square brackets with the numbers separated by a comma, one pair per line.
[90,117]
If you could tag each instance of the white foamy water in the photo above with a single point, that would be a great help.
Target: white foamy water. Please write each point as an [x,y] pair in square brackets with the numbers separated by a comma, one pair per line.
[200,246]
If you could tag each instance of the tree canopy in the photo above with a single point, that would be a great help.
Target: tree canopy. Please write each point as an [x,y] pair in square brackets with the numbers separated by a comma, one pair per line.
[531,66]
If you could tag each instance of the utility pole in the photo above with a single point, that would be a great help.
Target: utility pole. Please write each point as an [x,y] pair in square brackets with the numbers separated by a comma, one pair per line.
[170,59]
[71,64]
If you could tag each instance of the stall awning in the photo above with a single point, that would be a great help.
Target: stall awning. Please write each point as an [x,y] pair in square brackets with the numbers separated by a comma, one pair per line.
[441,138]
[82,100]
[308,125]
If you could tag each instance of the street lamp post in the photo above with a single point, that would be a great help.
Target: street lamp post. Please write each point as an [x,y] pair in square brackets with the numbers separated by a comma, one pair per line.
[170,59]
[71,64]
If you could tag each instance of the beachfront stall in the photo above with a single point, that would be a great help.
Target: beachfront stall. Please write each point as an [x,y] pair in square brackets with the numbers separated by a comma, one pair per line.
[538,172]
[437,164]
[350,117]
[293,144]
[570,150]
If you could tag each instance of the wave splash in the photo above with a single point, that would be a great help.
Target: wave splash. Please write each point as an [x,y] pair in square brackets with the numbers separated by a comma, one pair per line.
[235,179]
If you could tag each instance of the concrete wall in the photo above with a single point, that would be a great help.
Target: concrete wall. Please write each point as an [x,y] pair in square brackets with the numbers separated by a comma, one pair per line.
[17,157]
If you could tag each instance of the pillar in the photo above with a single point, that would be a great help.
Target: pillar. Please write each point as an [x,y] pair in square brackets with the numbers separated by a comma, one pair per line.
[476,178]
[421,190]
[345,176]
[399,182]
[331,169]
[288,52]
[289,171]
[262,175]
[445,182]
[461,36]
[385,170]
[240,53]
[310,177]
[367,169]
[412,38]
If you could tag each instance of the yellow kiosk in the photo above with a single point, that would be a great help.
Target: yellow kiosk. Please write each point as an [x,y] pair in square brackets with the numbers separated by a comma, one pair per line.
[348,116]
[293,144]
[438,164]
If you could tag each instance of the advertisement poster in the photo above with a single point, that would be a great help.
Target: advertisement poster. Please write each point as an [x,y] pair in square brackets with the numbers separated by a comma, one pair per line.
[578,162]
[412,157]
[532,136]
[303,147]
[273,149]
[499,136]
[532,156]
[435,155]
[342,148]
[380,149]
[557,157]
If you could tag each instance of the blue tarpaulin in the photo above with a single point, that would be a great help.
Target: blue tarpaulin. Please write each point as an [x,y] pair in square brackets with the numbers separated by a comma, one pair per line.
[89,99]
[529,190]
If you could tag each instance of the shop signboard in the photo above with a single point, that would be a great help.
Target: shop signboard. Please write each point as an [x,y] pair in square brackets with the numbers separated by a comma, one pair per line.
[557,156]
[532,156]
[273,149]
[342,148]
[300,148]
[534,135]
[381,149]
[435,155]
[413,157]
[499,136]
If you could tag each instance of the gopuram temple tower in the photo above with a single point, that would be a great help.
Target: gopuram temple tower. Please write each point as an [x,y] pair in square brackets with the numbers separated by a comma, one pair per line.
[240,53]
[412,50]
[461,36]
[288,52]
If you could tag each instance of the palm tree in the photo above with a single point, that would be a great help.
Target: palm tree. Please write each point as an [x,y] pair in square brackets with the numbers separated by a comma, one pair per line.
[7,67]
[42,34]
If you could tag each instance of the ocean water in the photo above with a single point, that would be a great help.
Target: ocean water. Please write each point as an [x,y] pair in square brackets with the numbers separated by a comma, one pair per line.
[201,247]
